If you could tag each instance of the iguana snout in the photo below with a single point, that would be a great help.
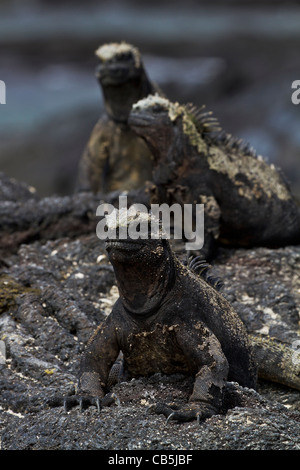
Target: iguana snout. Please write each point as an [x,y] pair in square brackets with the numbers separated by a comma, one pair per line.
[122,250]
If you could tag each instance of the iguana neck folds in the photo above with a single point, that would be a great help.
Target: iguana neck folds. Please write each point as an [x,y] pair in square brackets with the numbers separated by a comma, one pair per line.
[143,280]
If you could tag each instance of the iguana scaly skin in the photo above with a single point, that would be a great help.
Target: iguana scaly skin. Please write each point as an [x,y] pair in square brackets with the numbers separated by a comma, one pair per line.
[115,158]
[168,320]
[247,202]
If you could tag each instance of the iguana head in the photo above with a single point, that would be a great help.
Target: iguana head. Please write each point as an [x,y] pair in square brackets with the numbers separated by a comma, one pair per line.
[168,127]
[122,78]
[144,267]
[154,119]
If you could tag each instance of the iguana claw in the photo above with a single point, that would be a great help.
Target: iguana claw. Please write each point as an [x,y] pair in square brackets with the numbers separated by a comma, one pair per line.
[186,413]
[84,401]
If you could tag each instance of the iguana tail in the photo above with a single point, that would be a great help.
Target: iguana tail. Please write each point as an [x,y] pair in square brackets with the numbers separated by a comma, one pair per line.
[277,361]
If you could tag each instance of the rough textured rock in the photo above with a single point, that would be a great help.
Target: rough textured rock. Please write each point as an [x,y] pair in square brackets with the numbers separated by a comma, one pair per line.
[52,295]
[263,285]
[25,217]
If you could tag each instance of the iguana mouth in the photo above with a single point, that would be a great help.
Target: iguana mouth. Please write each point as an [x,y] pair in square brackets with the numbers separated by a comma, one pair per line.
[117,77]
[114,74]
[123,245]
[138,120]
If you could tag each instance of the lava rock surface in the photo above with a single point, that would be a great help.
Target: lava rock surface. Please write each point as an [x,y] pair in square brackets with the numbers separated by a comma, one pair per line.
[54,291]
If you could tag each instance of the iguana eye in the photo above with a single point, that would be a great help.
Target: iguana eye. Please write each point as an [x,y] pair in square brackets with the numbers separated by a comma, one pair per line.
[125,56]
[158,108]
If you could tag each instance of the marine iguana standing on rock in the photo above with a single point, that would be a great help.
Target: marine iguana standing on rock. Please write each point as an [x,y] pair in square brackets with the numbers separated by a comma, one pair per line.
[167,320]
[115,157]
[247,202]
[170,320]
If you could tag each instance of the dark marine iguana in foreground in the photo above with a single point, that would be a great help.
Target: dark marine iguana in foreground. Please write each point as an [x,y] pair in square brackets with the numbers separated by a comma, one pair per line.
[115,157]
[169,320]
[247,202]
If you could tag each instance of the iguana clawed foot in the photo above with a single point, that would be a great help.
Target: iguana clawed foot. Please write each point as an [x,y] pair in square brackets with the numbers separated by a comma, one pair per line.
[84,401]
[189,412]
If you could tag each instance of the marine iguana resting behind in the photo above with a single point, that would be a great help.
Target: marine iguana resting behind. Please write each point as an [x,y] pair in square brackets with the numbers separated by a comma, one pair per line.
[247,202]
[115,157]
[168,320]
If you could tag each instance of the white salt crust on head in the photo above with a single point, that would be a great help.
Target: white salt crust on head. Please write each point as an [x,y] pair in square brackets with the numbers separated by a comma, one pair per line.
[124,217]
[109,51]
[154,100]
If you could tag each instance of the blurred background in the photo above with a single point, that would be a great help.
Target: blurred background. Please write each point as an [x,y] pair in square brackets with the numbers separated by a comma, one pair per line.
[238,57]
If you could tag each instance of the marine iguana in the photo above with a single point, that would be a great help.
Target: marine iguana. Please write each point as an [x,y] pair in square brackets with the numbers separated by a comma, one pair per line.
[115,157]
[247,202]
[170,320]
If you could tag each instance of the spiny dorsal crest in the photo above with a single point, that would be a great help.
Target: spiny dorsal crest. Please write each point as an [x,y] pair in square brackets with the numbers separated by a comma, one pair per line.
[208,126]
[200,267]
[204,121]
[235,145]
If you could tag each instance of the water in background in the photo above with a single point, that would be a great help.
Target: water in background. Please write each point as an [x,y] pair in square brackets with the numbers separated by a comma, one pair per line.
[239,58]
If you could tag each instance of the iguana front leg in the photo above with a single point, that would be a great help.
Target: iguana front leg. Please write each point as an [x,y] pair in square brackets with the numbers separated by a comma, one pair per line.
[101,353]
[202,349]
